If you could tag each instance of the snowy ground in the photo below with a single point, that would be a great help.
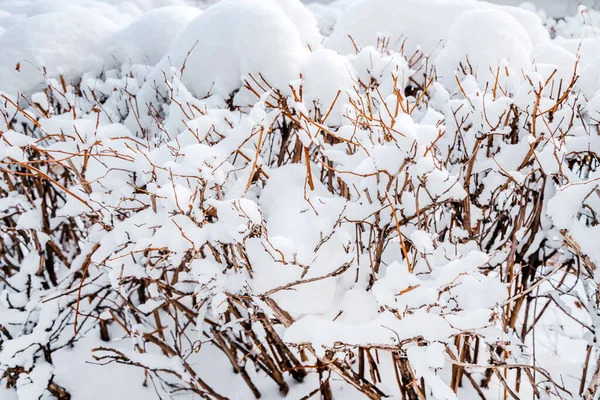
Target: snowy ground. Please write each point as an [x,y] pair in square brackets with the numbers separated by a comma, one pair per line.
[415,176]
[554,8]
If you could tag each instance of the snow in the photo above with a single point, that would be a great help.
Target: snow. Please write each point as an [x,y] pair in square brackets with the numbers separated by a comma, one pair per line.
[327,74]
[366,20]
[213,198]
[68,43]
[468,46]
[235,26]
[147,39]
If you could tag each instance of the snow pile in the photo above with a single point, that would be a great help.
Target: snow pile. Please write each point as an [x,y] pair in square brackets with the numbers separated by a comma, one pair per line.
[247,37]
[56,43]
[404,25]
[149,38]
[405,207]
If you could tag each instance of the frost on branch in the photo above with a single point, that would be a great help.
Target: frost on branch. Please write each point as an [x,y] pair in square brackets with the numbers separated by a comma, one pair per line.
[375,214]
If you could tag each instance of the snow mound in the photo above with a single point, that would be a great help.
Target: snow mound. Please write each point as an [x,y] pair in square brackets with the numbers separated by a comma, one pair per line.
[247,37]
[149,38]
[67,42]
[120,16]
[423,24]
[327,73]
[303,19]
[482,43]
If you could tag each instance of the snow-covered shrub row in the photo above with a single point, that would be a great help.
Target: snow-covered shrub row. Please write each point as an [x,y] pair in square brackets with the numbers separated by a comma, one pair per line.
[404,208]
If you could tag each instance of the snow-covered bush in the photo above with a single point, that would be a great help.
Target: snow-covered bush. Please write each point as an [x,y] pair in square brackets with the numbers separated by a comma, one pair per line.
[407,208]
